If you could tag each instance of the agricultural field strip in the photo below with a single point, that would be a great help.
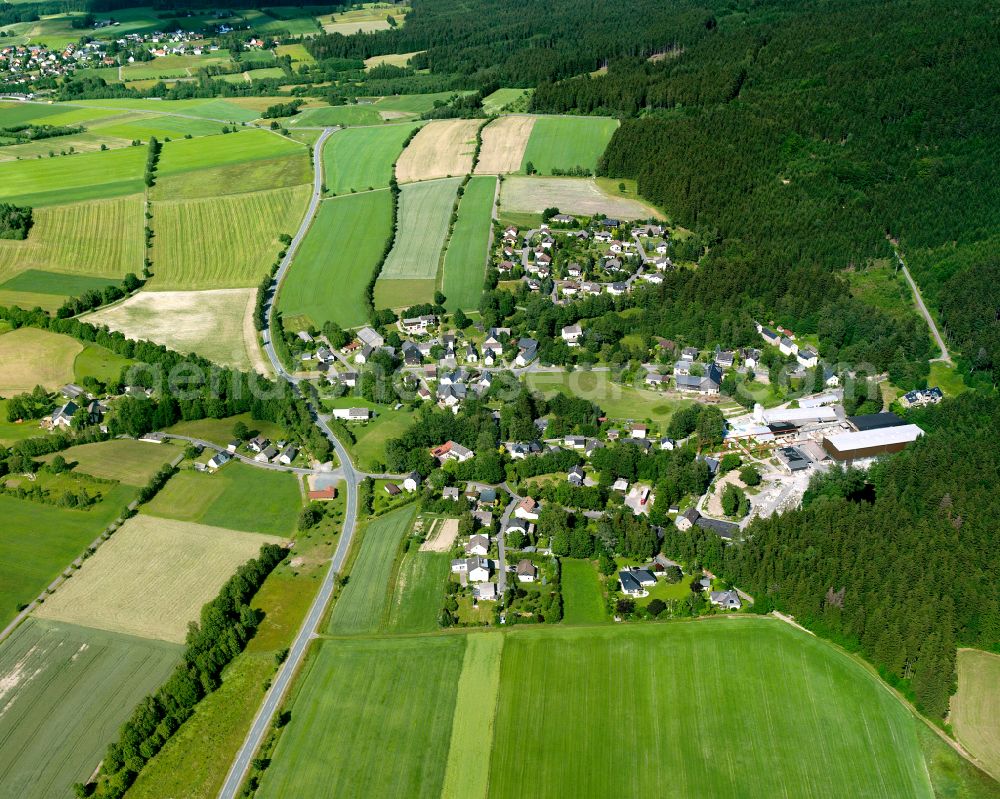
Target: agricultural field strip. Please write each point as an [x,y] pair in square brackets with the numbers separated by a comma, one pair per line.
[975,707]
[424,212]
[468,248]
[442,148]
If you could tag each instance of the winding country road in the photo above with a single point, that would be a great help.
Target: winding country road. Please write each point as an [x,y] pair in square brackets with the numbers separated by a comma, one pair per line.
[279,687]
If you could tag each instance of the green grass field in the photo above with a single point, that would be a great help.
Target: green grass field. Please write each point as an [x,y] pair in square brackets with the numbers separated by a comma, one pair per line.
[222,242]
[31,357]
[64,691]
[97,362]
[259,175]
[173,66]
[38,281]
[975,708]
[37,542]
[362,159]
[465,260]
[414,103]
[228,110]
[335,261]
[396,293]
[424,211]
[336,115]
[418,594]
[186,155]
[567,142]
[748,708]
[581,590]
[501,98]
[368,449]
[238,496]
[127,461]
[72,178]
[363,601]
[360,700]
[220,431]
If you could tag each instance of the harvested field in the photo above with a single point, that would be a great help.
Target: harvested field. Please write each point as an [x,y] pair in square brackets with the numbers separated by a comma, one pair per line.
[424,212]
[392,59]
[64,692]
[504,141]
[442,148]
[102,238]
[569,195]
[444,537]
[222,242]
[152,577]
[349,28]
[30,357]
[975,709]
[209,323]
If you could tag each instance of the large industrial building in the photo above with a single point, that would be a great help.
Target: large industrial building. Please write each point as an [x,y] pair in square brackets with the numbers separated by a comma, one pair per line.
[869,443]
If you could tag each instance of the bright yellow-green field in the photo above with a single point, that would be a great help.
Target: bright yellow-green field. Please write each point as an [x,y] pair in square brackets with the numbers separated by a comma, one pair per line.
[72,178]
[222,242]
[975,709]
[129,462]
[269,173]
[31,357]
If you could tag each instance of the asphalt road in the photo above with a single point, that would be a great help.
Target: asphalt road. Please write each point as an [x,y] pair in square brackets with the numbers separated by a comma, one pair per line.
[279,687]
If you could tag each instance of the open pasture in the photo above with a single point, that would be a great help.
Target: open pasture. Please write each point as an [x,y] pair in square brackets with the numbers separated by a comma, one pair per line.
[212,323]
[424,212]
[571,196]
[360,607]
[336,115]
[152,577]
[402,293]
[392,59]
[230,109]
[100,363]
[127,461]
[581,590]
[359,700]
[174,66]
[64,692]
[468,248]
[504,141]
[222,242]
[418,594]
[238,496]
[975,709]
[30,357]
[357,160]
[80,142]
[97,239]
[414,103]
[37,542]
[220,431]
[297,52]
[616,400]
[136,125]
[72,178]
[747,707]
[336,259]
[185,155]
[261,175]
[565,142]
[442,148]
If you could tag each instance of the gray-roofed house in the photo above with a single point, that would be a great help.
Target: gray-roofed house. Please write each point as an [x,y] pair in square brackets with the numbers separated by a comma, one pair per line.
[725,530]
[370,338]
[688,519]
[629,584]
[478,545]
[411,482]
[576,476]
[526,571]
[450,492]
[727,600]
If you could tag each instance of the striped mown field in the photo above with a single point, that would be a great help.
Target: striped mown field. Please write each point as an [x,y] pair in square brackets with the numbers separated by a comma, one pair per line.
[72,178]
[424,211]
[468,248]
[222,242]
[358,159]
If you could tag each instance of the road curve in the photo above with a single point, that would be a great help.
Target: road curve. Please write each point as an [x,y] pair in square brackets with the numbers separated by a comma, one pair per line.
[279,687]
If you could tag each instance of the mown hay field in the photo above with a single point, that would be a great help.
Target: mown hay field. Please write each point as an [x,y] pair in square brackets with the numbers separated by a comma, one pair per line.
[64,692]
[125,460]
[468,248]
[216,324]
[571,196]
[222,242]
[336,115]
[359,700]
[566,142]
[250,176]
[363,601]
[397,293]
[442,148]
[73,178]
[975,709]
[101,238]
[238,497]
[185,155]
[504,141]
[418,594]
[30,357]
[357,160]
[581,589]
[37,542]
[336,260]
[152,577]
[232,109]
[424,212]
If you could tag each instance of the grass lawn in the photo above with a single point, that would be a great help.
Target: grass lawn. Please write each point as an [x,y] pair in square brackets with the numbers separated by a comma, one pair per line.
[414,103]
[151,578]
[665,591]
[335,262]
[185,155]
[129,462]
[38,281]
[30,357]
[798,717]
[397,293]
[564,142]
[368,450]
[360,700]
[220,431]
[238,496]
[472,728]
[616,400]
[418,594]
[222,242]
[424,211]
[468,248]
[365,598]
[583,602]
[12,431]
[73,178]
[37,542]
[66,690]
[975,708]
[947,378]
[357,160]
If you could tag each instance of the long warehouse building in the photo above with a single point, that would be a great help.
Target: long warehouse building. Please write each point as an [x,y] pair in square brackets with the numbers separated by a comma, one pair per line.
[869,443]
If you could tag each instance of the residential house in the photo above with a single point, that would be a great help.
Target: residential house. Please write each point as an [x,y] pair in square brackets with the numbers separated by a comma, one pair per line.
[419,325]
[576,476]
[725,359]
[411,482]
[807,357]
[478,545]
[232,446]
[267,455]
[629,584]
[370,338]
[288,455]
[617,289]
[667,443]
[450,492]
[727,600]
[921,397]
[323,494]
[787,346]
[639,431]
[63,416]
[709,383]
[571,334]
[452,450]
[688,519]
[621,484]
[527,509]
[750,357]
[486,592]
[393,490]
[770,336]
[526,571]
[683,367]
[527,351]
[258,444]
[484,518]
[217,460]
[352,414]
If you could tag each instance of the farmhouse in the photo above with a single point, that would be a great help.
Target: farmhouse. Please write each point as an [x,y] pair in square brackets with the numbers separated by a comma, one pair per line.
[63,416]
[709,383]
[525,571]
[370,338]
